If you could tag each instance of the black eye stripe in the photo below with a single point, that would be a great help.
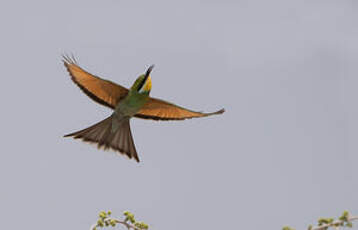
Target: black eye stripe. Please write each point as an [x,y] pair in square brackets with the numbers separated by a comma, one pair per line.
[142,83]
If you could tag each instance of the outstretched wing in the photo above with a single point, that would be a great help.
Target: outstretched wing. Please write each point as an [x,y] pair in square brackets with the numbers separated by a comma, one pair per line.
[102,91]
[157,109]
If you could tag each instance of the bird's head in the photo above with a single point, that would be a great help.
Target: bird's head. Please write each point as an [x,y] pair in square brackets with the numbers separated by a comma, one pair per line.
[143,84]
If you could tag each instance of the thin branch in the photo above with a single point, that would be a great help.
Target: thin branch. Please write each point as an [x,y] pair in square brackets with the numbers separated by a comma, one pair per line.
[335,223]
[108,219]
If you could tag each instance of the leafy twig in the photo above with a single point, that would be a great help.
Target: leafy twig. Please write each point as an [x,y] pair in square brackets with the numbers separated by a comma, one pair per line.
[105,220]
[324,223]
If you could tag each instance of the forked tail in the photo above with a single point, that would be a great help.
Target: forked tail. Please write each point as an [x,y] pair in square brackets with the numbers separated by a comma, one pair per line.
[103,134]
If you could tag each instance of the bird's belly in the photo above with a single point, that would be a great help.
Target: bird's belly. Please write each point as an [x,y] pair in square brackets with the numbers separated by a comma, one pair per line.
[129,109]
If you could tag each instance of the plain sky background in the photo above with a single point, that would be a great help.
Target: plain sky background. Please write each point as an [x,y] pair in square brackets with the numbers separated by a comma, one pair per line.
[284,153]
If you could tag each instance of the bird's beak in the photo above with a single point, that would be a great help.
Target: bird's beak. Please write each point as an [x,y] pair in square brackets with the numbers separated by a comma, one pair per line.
[149,70]
[147,81]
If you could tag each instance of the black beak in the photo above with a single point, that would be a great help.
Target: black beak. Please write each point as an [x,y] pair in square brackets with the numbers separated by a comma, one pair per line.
[148,71]
[146,76]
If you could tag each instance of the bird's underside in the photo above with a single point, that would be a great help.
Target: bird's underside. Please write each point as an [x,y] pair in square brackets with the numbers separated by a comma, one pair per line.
[101,134]
[110,94]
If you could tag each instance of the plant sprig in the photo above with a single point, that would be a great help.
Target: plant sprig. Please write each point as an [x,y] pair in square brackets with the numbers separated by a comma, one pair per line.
[345,220]
[105,220]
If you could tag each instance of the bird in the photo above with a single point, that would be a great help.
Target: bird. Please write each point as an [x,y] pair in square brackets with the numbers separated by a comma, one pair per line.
[114,132]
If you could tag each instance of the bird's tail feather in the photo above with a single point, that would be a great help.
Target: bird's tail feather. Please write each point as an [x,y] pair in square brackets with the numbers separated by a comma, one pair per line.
[102,133]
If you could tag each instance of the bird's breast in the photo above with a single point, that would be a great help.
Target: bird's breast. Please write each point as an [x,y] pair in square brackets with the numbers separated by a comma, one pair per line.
[131,105]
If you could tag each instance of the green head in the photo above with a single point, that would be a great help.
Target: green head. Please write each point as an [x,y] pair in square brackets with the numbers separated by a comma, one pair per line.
[143,84]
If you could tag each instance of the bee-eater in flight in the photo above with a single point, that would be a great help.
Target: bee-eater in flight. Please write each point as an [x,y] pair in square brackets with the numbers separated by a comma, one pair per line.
[114,132]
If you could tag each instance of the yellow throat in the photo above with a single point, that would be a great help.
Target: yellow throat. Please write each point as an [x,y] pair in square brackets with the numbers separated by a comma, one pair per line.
[147,85]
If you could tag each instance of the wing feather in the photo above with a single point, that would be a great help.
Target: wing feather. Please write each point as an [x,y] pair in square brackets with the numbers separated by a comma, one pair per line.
[157,109]
[102,91]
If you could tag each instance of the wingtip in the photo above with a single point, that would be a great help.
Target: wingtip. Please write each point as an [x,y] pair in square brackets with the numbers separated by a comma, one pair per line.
[68,59]
[65,58]
[221,111]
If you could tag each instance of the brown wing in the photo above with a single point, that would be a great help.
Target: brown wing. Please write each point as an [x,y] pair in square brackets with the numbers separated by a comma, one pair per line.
[157,109]
[102,91]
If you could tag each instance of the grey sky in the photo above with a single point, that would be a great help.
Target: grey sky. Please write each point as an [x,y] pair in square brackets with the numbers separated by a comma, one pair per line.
[284,153]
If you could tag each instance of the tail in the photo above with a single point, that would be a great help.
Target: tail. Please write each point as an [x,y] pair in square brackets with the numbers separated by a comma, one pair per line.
[102,133]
